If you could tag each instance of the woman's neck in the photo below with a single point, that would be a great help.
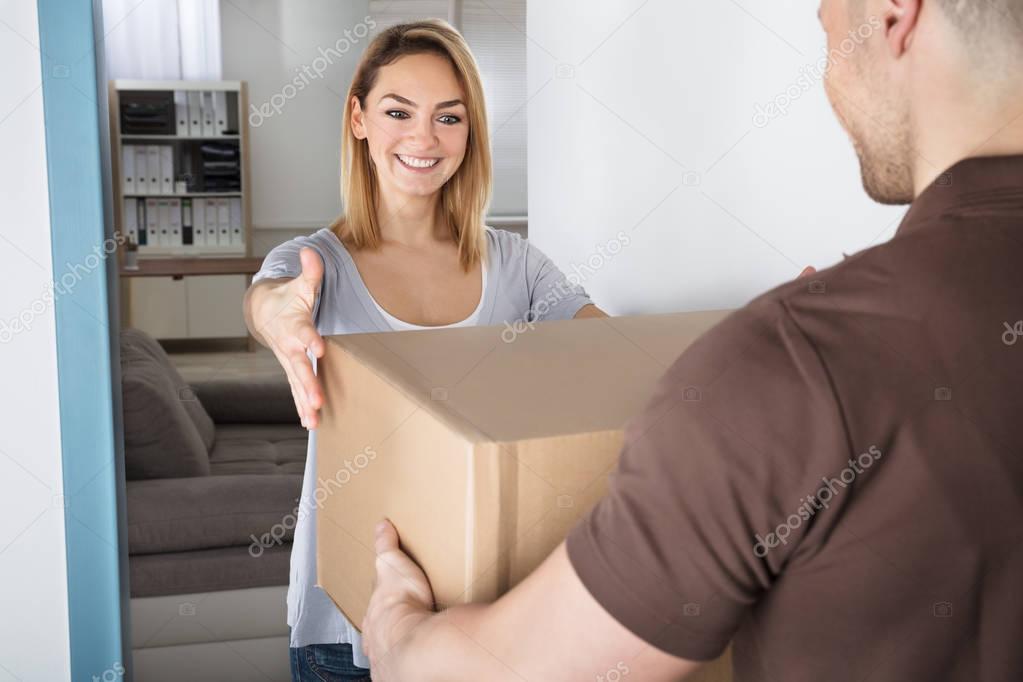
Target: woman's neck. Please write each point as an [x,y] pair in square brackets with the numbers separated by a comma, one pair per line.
[410,221]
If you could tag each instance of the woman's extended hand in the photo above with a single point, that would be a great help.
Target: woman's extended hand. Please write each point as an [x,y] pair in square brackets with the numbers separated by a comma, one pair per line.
[280,315]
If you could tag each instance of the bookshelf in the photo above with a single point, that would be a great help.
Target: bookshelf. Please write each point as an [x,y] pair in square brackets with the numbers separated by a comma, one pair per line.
[145,115]
[187,285]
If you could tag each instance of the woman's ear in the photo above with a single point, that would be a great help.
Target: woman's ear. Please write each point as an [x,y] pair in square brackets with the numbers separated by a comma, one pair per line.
[358,119]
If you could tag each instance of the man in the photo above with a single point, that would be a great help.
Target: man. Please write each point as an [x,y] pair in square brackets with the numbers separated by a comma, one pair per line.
[845,502]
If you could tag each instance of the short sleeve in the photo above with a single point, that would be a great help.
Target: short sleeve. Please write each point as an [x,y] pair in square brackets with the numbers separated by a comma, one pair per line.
[740,429]
[283,262]
[552,295]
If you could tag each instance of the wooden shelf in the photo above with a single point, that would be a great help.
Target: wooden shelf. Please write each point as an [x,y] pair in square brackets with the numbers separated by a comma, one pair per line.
[189,267]
[183,195]
[129,138]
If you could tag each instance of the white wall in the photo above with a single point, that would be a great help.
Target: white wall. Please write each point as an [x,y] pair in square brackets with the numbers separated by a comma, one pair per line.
[294,154]
[33,575]
[647,127]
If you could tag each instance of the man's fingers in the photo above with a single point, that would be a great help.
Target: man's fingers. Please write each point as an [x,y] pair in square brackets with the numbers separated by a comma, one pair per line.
[297,396]
[808,270]
[386,537]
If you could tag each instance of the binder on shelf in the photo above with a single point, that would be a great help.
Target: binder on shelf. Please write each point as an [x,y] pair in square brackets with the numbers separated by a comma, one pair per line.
[167,169]
[128,169]
[174,222]
[152,223]
[131,221]
[219,112]
[140,219]
[211,222]
[163,217]
[187,228]
[236,237]
[153,168]
[141,170]
[181,112]
[223,222]
[199,222]
[208,121]
[194,113]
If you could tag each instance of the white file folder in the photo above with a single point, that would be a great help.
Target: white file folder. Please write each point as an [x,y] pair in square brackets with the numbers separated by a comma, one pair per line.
[211,222]
[152,223]
[223,223]
[236,238]
[208,121]
[174,222]
[154,169]
[194,113]
[219,111]
[128,169]
[167,169]
[163,216]
[199,222]
[181,112]
[141,171]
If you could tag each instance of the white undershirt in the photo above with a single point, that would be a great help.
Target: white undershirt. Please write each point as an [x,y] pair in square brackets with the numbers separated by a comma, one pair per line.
[402,326]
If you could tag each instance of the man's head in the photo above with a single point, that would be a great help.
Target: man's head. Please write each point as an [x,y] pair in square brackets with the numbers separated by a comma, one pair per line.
[892,61]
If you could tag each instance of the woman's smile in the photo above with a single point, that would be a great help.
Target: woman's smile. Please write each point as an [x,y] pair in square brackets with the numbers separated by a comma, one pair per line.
[418,164]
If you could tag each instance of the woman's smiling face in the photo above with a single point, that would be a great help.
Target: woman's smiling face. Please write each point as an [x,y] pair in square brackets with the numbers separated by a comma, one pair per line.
[416,124]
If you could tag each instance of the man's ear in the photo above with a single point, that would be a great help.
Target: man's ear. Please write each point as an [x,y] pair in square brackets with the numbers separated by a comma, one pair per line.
[900,18]
[358,119]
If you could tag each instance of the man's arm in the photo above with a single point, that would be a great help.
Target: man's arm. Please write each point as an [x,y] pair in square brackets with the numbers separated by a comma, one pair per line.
[548,628]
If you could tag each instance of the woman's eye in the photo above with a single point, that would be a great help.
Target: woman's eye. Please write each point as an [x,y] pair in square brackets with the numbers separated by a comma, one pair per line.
[448,119]
[397,114]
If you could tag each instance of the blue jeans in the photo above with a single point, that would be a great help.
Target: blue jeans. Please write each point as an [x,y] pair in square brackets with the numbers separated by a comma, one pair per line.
[326,663]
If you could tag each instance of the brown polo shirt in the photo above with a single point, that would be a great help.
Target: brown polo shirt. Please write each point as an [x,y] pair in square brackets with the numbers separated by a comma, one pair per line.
[842,493]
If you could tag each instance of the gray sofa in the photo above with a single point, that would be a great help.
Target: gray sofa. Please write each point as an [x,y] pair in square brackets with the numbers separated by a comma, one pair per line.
[214,474]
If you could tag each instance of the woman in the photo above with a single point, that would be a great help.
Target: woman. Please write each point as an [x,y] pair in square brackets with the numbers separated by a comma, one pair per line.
[410,252]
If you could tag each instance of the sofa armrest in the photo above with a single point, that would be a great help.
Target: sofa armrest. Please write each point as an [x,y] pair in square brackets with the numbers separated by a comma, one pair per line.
[258,401]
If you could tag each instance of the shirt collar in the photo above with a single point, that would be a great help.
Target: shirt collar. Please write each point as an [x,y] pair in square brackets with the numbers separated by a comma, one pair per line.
[973,186]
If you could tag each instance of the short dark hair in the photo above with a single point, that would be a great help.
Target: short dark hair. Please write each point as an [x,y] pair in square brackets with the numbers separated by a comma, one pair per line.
[984,19]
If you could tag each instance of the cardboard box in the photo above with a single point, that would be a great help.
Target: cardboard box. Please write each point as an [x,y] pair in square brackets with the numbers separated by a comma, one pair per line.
[484,445]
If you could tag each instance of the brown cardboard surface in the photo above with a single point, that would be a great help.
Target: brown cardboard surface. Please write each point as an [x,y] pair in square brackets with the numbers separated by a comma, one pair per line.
[483,452]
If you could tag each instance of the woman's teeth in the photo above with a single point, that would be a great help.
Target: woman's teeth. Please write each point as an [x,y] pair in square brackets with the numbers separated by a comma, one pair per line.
[416,162]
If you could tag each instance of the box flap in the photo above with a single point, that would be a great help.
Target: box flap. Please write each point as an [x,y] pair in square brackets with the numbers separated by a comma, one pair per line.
[479,390]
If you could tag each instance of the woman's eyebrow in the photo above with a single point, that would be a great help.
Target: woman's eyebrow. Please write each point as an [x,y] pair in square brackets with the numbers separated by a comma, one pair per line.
[406,101]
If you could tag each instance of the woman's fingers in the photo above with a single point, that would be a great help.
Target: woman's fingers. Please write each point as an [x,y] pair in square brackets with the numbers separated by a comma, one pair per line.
[296,395]
[302,370]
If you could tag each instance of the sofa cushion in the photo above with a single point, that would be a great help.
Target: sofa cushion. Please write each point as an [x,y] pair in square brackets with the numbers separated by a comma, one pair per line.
[252,449]
[207,570]
[250,401]
[183,514]
[137,343]
[160,438]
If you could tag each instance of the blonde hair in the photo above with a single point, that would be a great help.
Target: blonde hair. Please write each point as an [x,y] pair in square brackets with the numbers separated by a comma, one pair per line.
[466,195]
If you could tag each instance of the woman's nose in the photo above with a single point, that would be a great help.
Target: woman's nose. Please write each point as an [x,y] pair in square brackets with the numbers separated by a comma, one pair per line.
[423,134]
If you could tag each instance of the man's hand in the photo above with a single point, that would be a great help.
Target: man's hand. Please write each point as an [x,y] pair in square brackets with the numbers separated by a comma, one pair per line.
[279,314]
[808,270]
[401,601]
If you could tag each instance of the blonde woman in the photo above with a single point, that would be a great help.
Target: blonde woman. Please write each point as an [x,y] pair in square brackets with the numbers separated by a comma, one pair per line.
[410,252]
